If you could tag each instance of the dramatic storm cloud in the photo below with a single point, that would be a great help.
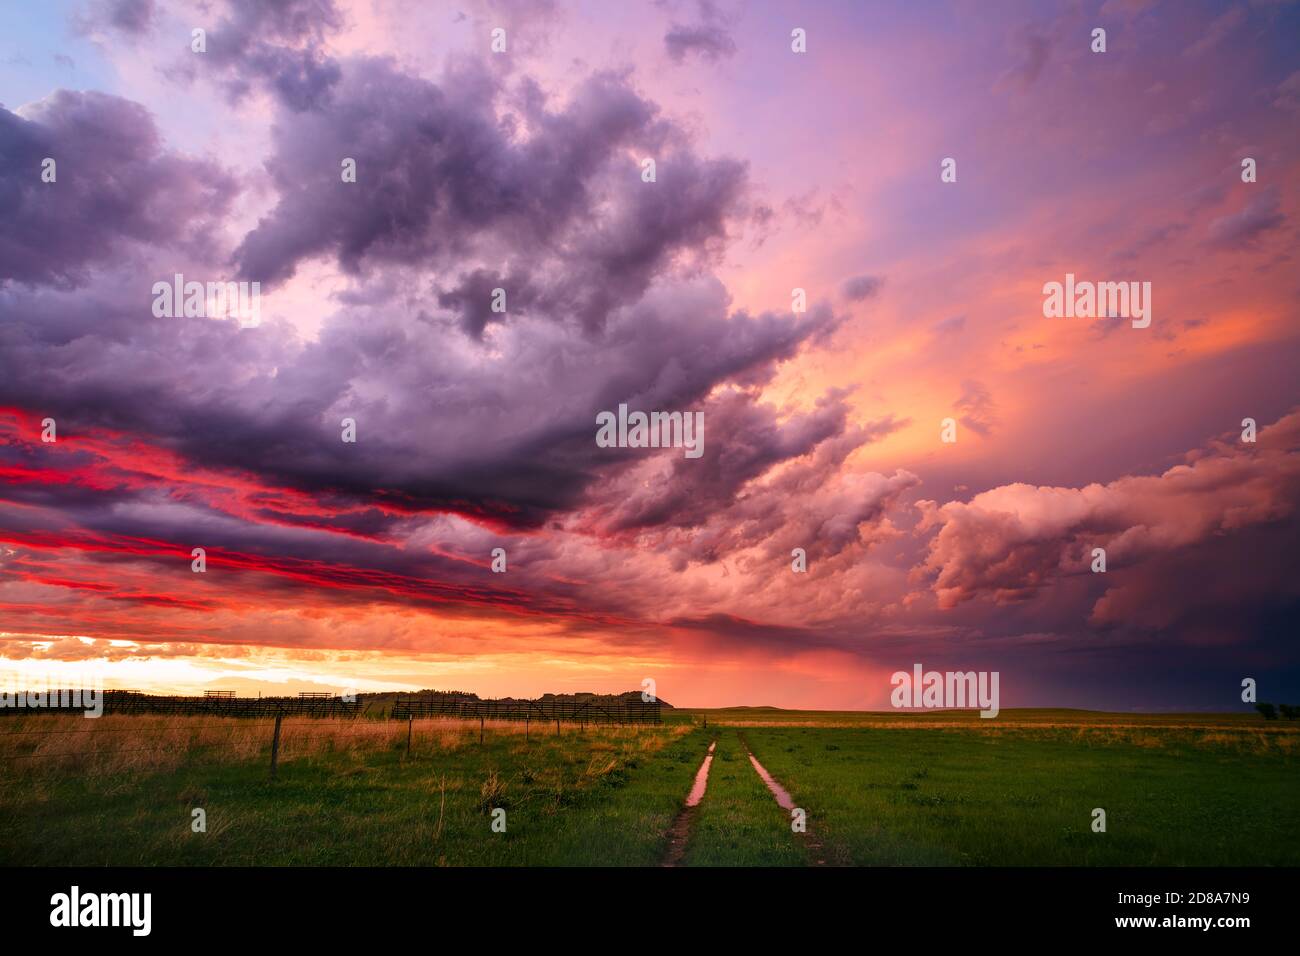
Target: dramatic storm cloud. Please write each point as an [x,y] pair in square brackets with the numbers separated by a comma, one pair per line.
[468,245]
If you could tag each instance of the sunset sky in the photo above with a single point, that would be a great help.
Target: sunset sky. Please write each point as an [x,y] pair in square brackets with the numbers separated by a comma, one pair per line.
[333,564]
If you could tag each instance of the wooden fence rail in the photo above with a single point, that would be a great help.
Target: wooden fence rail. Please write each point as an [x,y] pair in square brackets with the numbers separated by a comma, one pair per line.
[621,711]
[131,702]
[625,711]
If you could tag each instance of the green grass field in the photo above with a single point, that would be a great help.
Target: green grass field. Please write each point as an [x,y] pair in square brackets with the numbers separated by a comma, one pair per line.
[878,789]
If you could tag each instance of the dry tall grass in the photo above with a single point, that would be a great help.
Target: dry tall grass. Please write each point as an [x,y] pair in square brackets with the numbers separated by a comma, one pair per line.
[31,747]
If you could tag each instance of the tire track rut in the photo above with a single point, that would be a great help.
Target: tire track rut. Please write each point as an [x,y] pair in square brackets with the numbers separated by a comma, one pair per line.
[811,842]
[680,832]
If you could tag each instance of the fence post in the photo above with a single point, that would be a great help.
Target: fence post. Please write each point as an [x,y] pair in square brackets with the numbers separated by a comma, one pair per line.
[525,730]
[557,726]
[480,728]
[410,723]
[275,743]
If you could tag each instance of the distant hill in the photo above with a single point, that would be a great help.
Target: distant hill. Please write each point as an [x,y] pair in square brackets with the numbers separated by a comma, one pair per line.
[751,707]
[586,698]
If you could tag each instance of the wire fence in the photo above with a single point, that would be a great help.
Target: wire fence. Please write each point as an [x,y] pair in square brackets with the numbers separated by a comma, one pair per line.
[183,739]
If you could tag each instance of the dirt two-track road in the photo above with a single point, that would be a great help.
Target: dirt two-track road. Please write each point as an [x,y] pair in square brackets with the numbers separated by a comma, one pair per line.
[687,841]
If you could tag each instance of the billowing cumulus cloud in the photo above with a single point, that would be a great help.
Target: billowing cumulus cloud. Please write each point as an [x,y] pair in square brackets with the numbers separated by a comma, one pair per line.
[1011,542]
[774,485]
[549,201]
[442,185]
[116,186]
[276,46]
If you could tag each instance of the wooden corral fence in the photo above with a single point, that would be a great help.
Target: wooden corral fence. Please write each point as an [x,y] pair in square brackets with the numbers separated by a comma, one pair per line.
[623,711]
[212,703]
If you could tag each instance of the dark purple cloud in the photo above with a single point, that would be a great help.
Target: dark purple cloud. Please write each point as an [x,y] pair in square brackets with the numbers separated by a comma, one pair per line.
[457,408]
[709,38]
[471,183]
[748,442]
[131,17]
[775,483]
[444,185]
[115,186]
[277,46]
[709,41]
[861,288]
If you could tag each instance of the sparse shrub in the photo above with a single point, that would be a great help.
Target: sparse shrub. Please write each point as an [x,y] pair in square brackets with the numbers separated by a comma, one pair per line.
[1289,711]
[600,766]
[1268,710]
[492,794]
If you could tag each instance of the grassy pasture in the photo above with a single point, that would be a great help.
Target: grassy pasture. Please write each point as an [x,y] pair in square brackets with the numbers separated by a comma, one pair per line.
[879,789]
[346,793]
[1173,796]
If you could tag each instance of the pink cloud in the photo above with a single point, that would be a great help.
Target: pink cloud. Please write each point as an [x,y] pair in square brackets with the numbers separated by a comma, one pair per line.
[1010,542]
